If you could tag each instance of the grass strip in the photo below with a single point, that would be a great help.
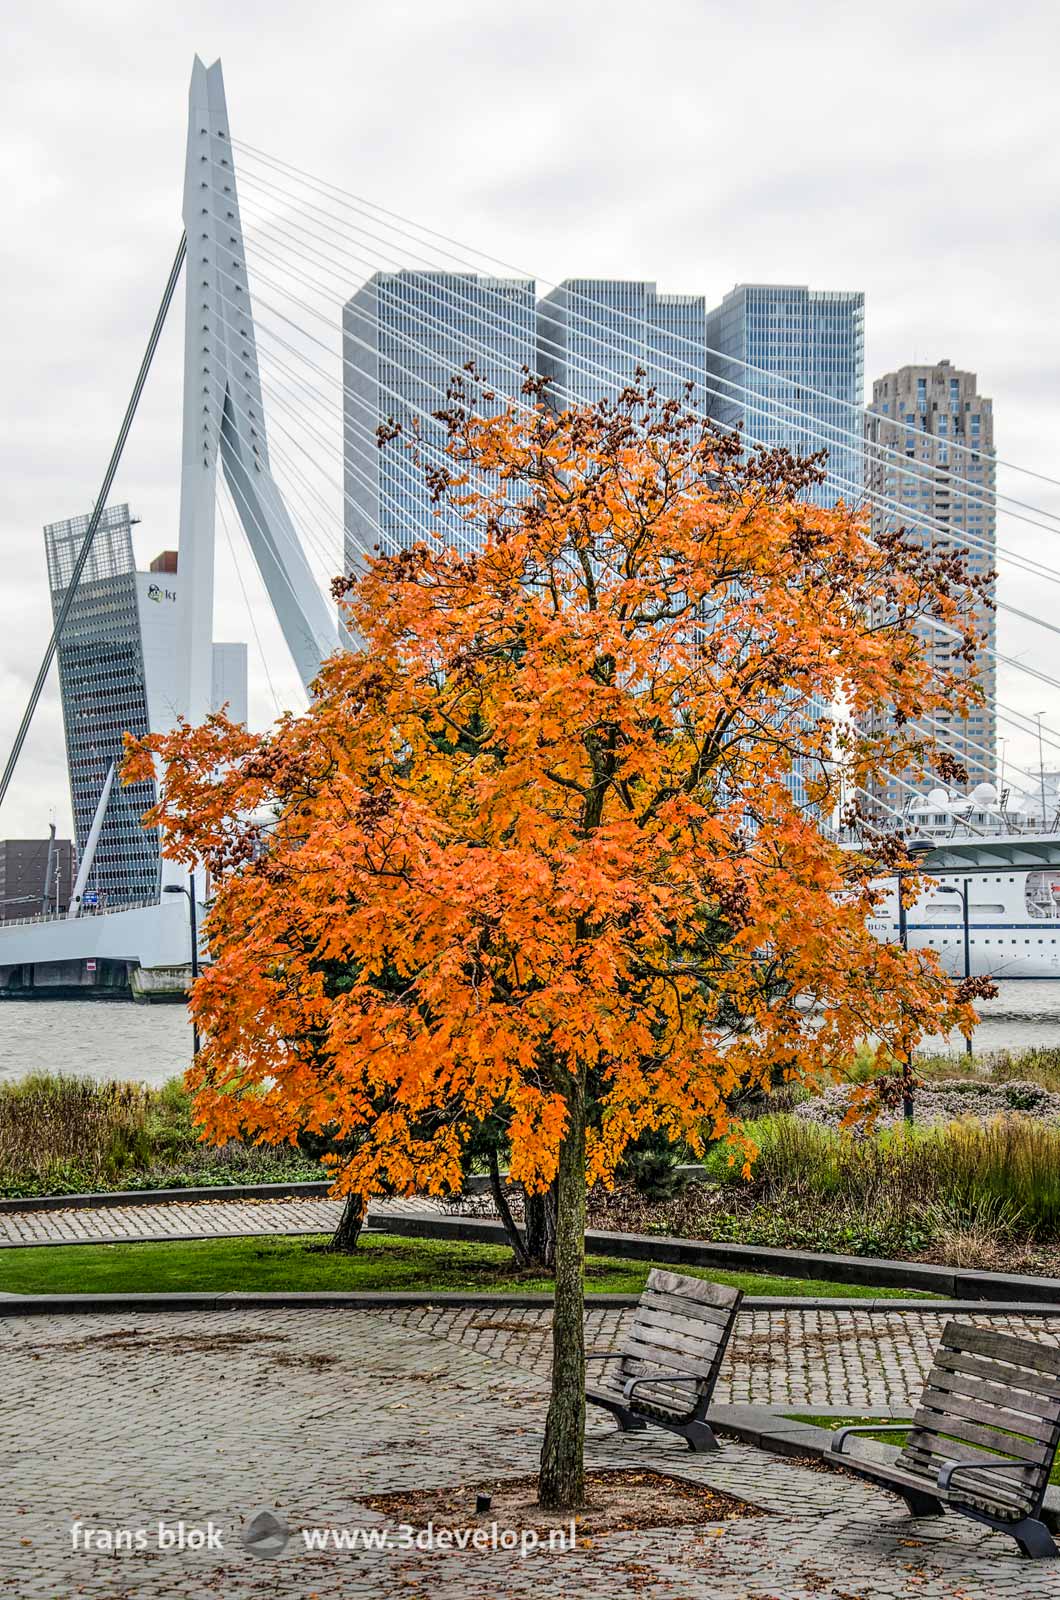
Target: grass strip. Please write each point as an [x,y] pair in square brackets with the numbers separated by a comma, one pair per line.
[381,1262]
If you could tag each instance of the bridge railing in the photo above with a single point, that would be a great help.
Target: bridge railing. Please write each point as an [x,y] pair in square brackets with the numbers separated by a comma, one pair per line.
[86,912]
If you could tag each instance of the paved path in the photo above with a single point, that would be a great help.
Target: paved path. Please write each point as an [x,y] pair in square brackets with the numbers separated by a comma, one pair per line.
[174,1219]
[790,1358]
[204,1418]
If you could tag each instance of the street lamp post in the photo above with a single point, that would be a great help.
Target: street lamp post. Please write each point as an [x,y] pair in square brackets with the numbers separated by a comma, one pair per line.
[178,888]
[907,1064]
[951,888]
[917,848]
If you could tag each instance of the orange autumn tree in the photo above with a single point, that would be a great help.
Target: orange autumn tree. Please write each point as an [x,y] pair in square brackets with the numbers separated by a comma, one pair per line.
[558,822]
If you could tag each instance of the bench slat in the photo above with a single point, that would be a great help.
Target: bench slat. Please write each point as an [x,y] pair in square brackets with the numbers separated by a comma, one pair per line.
[975,1366]
[934,1425]
[1010,1490]
[1027,1353]
[660,1361]
[927,1446]
[974,1385]
[653,1316]
[674,1352]
[944,1404]
[695,1289]
[659,1410]
[930,1454]
[674,1335]
[677,1398]
[703,1316]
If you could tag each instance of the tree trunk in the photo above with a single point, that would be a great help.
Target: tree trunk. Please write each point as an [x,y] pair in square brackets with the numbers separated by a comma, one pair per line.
[561,1485]
[350,1224]
[535,1246]
[504,1210]
[540,1211]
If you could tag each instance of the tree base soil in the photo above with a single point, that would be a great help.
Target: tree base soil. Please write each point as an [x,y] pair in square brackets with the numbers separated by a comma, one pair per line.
[615,1502]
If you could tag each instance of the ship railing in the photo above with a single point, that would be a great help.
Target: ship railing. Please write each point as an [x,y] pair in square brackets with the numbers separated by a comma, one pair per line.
[962,830]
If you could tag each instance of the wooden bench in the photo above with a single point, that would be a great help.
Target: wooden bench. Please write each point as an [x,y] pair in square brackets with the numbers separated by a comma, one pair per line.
[667,1366]
[984,1436]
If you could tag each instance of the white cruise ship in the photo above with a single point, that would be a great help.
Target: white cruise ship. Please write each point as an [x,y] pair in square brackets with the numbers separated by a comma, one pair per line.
[1013,913]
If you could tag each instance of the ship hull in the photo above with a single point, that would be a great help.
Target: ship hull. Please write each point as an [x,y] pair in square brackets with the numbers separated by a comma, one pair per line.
[1013,922]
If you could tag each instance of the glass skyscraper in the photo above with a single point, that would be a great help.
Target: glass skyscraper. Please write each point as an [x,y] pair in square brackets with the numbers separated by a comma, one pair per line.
[118,674]
[593,334]
[405,335]
[929,454]
[104,694]
[789,363]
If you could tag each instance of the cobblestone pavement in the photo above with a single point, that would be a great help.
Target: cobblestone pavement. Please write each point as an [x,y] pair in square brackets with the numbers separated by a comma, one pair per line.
[788,1358]
[174,1219]
[125,1421]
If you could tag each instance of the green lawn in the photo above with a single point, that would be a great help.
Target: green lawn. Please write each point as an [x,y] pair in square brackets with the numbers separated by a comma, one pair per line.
[888,1434]
[894,1434]
[382,1261]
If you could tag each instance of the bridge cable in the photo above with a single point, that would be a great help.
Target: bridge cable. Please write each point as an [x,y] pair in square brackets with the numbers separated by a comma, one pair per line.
[93,524]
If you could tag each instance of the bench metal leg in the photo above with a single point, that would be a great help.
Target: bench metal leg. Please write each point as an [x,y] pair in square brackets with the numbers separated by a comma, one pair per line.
[922,1505]
[700,1436]
[627,1422]
[1033,1538]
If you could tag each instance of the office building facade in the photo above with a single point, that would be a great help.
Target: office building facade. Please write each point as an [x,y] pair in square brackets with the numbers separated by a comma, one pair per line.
[788,363]
[104,695]
[594,333]
[405,336]
[36,876]
[929,468]
[117,662]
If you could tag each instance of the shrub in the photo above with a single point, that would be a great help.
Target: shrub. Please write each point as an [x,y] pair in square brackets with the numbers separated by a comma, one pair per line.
[61,1134]
[1007,1169]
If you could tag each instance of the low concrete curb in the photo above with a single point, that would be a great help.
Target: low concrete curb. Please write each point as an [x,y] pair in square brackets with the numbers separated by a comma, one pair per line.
[950,1282]
[302,1190]
[32,1305]
[153,1197]
[172,1238]
[768,1429]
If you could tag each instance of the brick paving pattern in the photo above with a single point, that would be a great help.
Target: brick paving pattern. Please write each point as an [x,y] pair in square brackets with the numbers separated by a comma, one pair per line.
[174,1219]
[787,1359]
[123,1420]
[790,1358]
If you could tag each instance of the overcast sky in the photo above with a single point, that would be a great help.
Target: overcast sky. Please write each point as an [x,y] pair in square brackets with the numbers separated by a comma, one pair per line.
[909,151]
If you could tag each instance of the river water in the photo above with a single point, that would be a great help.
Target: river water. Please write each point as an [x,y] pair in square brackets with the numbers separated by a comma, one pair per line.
[117,1039]
[1025,1013]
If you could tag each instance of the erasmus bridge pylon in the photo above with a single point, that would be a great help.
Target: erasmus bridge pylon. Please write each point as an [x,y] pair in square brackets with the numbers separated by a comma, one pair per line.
[224,419]
[223,422]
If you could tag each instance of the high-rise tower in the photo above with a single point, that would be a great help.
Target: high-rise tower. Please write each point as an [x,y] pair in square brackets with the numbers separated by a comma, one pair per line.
[405,336]
[788,362]
[104,693]
[593,334]
[929,466]
[118,674]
